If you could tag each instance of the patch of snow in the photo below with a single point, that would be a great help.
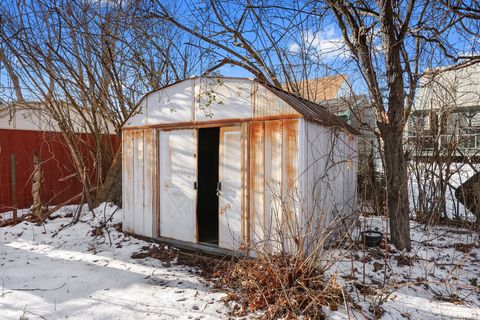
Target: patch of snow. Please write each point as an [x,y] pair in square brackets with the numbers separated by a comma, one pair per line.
[438,270]
[76,275]
[55,275]
[458,174]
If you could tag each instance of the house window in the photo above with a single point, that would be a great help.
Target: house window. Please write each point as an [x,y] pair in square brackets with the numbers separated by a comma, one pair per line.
[475,121]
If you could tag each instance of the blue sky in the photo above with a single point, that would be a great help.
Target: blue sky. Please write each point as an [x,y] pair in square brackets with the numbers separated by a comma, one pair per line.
[326,48]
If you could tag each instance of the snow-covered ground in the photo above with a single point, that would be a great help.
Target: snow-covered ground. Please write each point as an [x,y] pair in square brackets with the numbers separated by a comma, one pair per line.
[438,279]
[76,275]
[426,174]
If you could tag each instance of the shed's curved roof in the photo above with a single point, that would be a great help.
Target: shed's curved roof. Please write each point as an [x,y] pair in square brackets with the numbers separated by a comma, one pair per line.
[307,109]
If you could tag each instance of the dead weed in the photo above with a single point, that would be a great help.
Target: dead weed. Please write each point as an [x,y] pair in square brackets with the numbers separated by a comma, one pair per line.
[281,286]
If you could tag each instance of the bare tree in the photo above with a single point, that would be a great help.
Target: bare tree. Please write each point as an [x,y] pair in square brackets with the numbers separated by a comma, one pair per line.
[89,62]
[390,42]
[408,33]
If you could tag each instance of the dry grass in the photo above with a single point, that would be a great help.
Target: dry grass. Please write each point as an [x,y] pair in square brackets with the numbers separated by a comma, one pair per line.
[280,286]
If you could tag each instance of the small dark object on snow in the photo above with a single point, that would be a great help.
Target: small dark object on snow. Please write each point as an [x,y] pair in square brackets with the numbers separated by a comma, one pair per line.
[469,195]
[371,238]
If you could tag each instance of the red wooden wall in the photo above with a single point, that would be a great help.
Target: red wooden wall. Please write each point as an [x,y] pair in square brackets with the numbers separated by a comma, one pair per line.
[58,185]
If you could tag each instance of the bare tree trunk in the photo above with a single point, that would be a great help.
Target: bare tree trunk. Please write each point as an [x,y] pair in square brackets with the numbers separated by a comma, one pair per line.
[111,189]
[36,187]
[397,187]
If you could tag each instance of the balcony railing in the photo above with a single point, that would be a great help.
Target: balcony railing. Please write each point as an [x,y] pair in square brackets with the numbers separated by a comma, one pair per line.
[468,143]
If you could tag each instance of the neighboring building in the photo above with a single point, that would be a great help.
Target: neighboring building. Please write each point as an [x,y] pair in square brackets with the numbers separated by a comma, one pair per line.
[26,129]
[325,88]
[227,163]
[445,121]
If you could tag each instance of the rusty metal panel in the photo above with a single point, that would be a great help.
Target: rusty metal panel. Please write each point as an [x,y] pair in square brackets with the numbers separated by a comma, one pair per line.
[245,184]
[138,182]
[257,182]
[267,104]
[291,192]
[127,180]
[273,182]
[308,109]
[291,156]
[149,181]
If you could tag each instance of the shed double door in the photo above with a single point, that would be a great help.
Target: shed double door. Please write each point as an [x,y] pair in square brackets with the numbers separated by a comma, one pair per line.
[178,156]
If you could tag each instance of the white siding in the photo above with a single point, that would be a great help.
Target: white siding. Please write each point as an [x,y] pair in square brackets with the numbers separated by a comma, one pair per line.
[37,118]
[172,104]
[267,104]
[207,99]
[149,174]
[177,177]
[217,99]
[230,196]
[139,181]
[127,180]
[449,89]
[328,180]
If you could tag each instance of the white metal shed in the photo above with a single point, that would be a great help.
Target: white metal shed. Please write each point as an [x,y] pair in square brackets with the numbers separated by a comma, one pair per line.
[231,162]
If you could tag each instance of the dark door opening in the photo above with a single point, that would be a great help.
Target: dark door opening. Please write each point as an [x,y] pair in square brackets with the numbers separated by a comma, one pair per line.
[207,199]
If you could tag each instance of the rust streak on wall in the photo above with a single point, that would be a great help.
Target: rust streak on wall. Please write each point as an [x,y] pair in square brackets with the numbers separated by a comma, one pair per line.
[256,180]
[290,131]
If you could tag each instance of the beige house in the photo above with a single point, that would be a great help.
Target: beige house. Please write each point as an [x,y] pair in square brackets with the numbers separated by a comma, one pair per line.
[445,120]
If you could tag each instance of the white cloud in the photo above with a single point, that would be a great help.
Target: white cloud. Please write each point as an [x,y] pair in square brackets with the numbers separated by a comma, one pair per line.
[325,44]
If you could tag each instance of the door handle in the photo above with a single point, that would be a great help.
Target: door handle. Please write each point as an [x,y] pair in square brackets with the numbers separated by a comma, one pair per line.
[219,186]
[195,185]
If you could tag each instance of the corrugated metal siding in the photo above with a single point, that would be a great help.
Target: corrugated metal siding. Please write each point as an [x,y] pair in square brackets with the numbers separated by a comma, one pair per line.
[257,182]
[311,111]
[328,179]
[291,195]
[266,104]
[128,155]
[59,183]
[274,183]
[139,181]
[149,175]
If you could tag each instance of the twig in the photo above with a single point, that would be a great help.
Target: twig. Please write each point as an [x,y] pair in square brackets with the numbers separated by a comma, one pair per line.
[37,289]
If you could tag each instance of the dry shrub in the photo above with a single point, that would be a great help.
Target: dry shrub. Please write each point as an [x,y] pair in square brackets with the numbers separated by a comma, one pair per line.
[283,286]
